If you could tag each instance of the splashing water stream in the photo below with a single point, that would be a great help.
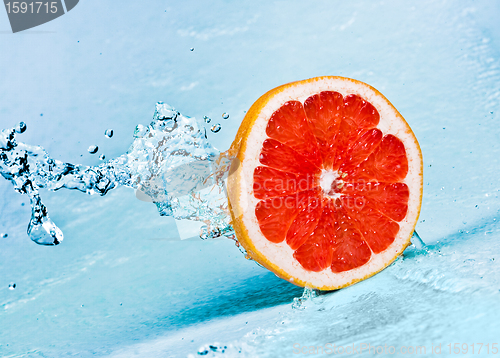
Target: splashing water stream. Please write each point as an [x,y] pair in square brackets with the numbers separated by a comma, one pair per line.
[170,163]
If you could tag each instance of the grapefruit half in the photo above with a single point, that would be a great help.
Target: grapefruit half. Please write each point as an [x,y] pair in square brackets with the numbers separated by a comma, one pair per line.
[326,186]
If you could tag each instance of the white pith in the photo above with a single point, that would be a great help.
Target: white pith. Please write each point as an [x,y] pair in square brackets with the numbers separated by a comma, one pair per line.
[329,181]
[281,255]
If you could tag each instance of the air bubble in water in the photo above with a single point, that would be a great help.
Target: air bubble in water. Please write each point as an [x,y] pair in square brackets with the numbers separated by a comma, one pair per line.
[108,133]
[21,127]
[12,286]
[216,128]
[93,149]
[102,157]
[207,119]
[225,115]
[191,49]
[4,235]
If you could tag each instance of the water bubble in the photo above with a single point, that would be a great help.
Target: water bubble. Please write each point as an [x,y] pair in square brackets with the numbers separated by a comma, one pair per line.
[225,115]
[4,235]
[191,49]
[202,351]
[12,286]
[93,149]
[108,133]
[207,119]
[216,128]
[21,127]
[102,157]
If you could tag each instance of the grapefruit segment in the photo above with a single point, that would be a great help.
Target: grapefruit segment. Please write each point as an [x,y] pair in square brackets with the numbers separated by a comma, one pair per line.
[280,156]
[324,112]
[391,199]
[361,149]
[350,249]
[335,182]
[358,116]
[378,230]
[274,223]
[275,215]
[305,222]
[269,182]
[316,253]
[388,163]
[290,126]
[359,113]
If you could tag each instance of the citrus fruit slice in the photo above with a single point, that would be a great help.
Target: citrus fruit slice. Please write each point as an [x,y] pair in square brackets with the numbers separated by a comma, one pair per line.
[326,187]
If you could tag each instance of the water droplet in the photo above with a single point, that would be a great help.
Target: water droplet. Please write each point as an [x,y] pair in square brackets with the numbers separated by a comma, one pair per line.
[93,149]
[216,128]
[202,351]
[102,157]
[225,115]
[4,235]
[207,119]
[21,127]
[12,286]
[191,49]
[108,133]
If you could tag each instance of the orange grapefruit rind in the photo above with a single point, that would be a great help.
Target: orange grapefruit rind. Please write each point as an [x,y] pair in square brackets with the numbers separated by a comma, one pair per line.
[278,257]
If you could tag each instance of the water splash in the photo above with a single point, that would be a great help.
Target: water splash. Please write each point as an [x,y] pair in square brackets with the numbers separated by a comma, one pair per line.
[170,163]
[299,303]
